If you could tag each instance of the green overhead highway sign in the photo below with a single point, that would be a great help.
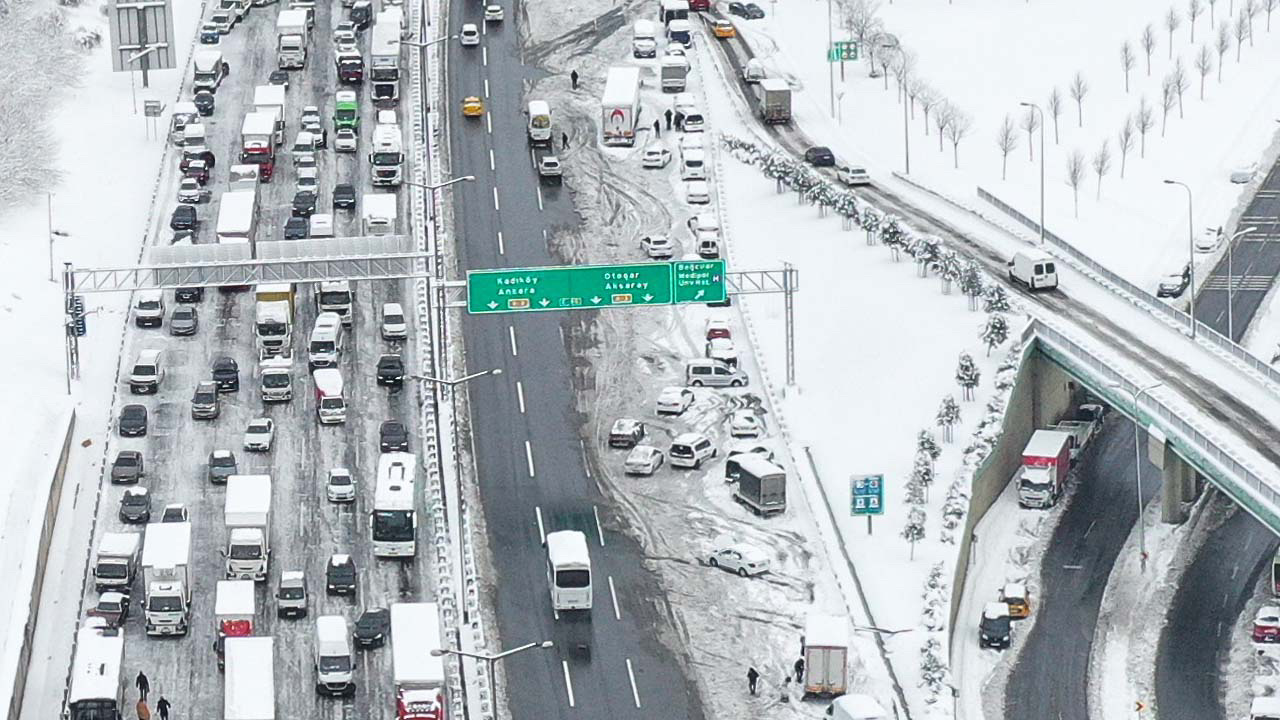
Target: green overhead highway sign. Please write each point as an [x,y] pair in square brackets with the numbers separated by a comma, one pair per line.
[585,287]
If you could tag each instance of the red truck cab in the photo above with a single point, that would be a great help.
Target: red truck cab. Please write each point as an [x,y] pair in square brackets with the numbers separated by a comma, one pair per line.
[422,704]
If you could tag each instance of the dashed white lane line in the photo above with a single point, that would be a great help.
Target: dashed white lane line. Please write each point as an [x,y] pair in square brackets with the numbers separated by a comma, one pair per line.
[539,197]
[495,199]
[502,248]
[568,684]
[484,56]
[542,533]
[492,165]
[599,528]
[533,158]
[528,457]
[520,395]
[486,88]
[635,694]
[613,593]
[586,466]
[488,121]
[511,330]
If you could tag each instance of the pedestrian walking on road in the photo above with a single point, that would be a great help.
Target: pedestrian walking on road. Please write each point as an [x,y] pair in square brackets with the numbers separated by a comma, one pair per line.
[143,685]
[668,116]
[144,712]
[564,141]
[799,668]
[679,120]
[657,129]
[752,678]
[573,78]
[163,707]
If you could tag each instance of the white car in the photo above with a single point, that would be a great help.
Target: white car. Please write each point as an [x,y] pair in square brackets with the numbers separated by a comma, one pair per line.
[394,326]
[745,424]
[658,247]
[345,140]
[470,35]
[674,49]
[704,226]
[259,435]
[717,327]
[655,156]
[190,192]
[309,178]
[1243,174]
[493,13]
[1209,240]
[853,175]
[697,192]
[674,400]
[743,447]
[643,460]
[340,487]
[344,40]
[691,142]
[722,349]
[742,559]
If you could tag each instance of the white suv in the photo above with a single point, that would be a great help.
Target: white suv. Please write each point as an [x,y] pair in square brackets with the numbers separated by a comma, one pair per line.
[394,326]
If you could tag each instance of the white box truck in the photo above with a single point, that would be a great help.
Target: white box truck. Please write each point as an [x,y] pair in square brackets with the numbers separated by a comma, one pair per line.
[387,155]
[291,39]
[379,213]
[419,677]
[271,99]
[117,561]
[247,515]
[238,218]
[826,655]
[275,376]
[619,105]
[249,688]
[384,59]
[166,577]
[673,72]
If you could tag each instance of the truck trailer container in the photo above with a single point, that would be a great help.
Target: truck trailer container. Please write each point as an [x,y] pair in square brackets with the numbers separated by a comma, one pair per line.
[238,218]
[249,687]
[773,100]
[826,655]
[762,486]
[620,105]
[419,677]
[166,577]
[291,39]
[1045,462]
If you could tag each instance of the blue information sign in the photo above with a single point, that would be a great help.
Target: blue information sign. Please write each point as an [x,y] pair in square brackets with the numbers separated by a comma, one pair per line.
[866,495]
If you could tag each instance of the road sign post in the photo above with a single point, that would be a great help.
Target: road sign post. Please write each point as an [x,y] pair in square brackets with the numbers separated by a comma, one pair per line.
[588,287]
[842,50]
[866,496]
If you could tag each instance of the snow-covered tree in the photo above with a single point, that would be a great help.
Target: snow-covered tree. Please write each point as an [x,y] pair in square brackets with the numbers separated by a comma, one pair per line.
[871,220]
[1204,63]
[928,99]
[1102,164]
[858,18]
[1124,139]
[967,375]
[921,479]
[1222,44]
[1250,11]
[942,117]
[1269,6]
[1148,42]
[1075,176]
[1006,140]
[949,267]
[995,299]
[927,446]
[958,129]
[995,331]
[948,416]
[913,529]
[1168,98]
[971,283]
[1172,21]
[1240,30]
[1180,82]
[1054,107]
[1194,8]
[892,235]
[954,508]
[1079,88]
[1127,61]
[934,676]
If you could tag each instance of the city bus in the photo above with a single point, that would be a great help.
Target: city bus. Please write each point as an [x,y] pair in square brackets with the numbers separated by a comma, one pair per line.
[395,523]
[569,570]
[97,692]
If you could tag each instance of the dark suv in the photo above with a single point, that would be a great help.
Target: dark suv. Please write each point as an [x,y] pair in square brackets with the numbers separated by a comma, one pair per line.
[819,156]
[226,373]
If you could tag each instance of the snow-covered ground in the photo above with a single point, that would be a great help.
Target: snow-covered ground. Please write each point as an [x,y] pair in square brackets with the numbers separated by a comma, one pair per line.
[986,56]
[102,203]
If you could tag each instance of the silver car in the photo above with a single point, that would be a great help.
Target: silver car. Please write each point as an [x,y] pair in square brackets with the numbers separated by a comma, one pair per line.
[643,460]
[185,320]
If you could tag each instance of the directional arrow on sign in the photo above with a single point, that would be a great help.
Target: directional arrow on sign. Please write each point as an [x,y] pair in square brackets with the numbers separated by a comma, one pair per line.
[492,305]
[544,302]
[596,299]
[700,294]
[647,298]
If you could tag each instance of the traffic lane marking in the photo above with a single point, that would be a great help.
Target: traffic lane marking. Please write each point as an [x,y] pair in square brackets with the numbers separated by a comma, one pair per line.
[520,395]
[613,593]
[511,330]
[635,694]
[528,456]
[568,683]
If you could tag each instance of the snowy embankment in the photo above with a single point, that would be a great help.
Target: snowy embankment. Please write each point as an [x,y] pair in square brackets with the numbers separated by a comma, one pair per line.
[977,61]
[102,204]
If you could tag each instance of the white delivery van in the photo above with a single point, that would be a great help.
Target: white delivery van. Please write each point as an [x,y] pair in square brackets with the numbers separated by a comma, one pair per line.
[331,400]
[333,662]
[1034,269]
[326,341]
[209,70]
[539,127]
[644,39]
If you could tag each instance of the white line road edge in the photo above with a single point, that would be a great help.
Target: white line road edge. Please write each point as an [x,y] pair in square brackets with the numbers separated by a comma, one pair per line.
[613,593]
[599,530]
[568,684]
[635,694]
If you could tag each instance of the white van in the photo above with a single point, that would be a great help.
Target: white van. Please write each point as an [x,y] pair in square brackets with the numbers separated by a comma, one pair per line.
[1034,269]
[644,39]
[1265,708]
[322,225]
[333,662]
[147,373]
[331,400]
[539,122]
[856,707]
[148,308]
[327,338]
[690,450]
[693,165]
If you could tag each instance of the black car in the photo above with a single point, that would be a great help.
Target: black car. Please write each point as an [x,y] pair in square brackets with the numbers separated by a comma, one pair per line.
[226,373]
[819,156]
[390,370]
[184,218]
[209,34]
[393,436]
[278,77]
[304,203]
[1173,285]
[340,575]
[344,196]
[204,102]
[372,628]
[127,467]
[135,506]
[297,228]
[222,465]
[737,8]
[133,421]
[754,11]
[189,295]
[995,628]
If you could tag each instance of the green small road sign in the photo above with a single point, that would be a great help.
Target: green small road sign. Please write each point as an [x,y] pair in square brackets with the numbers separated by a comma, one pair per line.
[586,287]
[866,495]
[842,50]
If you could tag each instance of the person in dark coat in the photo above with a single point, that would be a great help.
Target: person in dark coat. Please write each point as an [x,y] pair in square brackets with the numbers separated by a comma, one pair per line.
[752,678]
[799,668]
[564,141]
[657,128]
[163,707]
[143,685]
[573,78]
[679,120]
[668,116]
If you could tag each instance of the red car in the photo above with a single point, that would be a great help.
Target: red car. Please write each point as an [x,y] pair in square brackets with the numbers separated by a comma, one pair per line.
[112,607]
[1266,625]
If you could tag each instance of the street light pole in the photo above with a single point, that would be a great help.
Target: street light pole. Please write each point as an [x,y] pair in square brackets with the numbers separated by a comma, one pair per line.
[1041,112]
[831,70]
[428,43]
[437,186]
[1137,464]
[490,660]
[1231,325]
[1191,250]
[453,405]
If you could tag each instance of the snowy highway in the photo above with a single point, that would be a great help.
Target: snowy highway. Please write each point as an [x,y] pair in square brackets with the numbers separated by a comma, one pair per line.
[307,527]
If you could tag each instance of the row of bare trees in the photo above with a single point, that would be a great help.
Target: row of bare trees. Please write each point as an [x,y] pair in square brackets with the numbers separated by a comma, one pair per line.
[1229,34]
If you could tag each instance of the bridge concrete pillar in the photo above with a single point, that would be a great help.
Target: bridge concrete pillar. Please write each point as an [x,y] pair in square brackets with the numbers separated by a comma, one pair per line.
[1175,489]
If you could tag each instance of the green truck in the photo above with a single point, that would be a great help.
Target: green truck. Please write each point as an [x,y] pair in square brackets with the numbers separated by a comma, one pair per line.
[346,111]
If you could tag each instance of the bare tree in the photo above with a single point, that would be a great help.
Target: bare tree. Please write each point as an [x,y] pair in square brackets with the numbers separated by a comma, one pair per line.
[1102,164]
[1125,140]
[885,59]
[1180,82]
[942,115]
[1030,122]
[1194,8]
[1144,121]
[1054,106]
[1223,46]
[858,18]
[1078,89]
[1075,176]
[1168,98]
[1172,21]
[913,93]
[1269,5]
[1127,60]
[928,98]
[1148,42]
[1006,140]
[1250,10]
[958,129]
[904,68]
[1240,31]
[1204,65]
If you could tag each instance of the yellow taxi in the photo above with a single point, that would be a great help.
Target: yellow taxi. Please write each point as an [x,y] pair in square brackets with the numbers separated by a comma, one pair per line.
[472,106]
[1015,595]
[724,29]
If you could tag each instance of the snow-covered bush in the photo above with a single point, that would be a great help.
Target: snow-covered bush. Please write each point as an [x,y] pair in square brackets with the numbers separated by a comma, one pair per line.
[967,375]
[995,331]
[87,39]
[948,416]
